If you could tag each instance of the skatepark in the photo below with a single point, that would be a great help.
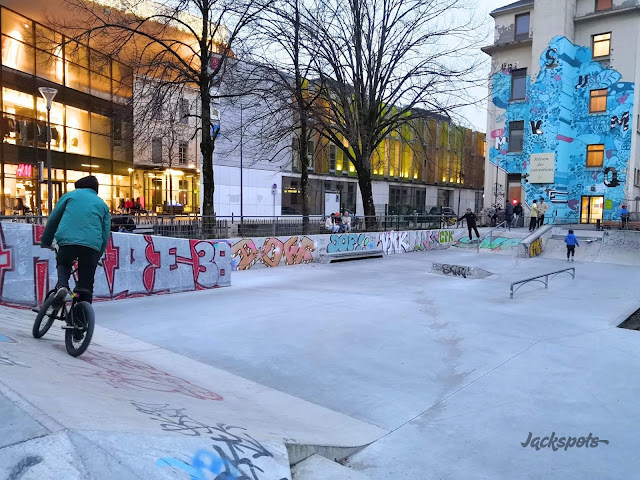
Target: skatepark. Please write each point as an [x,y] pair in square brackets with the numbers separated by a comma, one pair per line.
[371,369]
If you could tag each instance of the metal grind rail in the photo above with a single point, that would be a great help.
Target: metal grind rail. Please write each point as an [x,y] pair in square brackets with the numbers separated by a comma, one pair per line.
[520,283]
[502,225]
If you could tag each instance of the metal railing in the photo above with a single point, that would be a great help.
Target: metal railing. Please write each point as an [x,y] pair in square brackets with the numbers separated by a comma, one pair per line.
[501,225]
[571,271]
[222,227]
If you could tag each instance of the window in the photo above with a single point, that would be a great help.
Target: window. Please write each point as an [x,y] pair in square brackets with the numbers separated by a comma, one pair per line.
[522,27]
[601,45]
[156,150]
[516,134]
[598,101]
[332,158]
[595,155]
[184,111]
[156,107]
[592,209]
[636,177]
[603,5]
[519,84]
[182,153]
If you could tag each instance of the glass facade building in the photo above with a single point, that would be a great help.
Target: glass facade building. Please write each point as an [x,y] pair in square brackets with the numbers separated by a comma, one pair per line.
[91,117]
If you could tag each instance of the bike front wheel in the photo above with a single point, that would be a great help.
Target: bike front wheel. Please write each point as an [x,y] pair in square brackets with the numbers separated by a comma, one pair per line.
[78,338]
[45,317]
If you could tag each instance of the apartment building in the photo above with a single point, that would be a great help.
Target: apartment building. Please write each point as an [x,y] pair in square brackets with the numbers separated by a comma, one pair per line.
[562,116]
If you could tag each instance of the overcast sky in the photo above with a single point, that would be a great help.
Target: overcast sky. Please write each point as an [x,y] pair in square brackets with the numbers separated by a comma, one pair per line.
[476,116]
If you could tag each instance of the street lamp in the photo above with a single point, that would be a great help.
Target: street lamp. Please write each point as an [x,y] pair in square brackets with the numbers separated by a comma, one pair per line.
[48,94]
[242,107]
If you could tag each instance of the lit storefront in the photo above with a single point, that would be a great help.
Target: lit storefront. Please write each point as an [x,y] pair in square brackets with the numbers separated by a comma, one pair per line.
[91,117]
[166,190]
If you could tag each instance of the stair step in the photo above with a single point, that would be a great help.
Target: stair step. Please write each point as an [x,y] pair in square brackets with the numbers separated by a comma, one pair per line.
[319,468]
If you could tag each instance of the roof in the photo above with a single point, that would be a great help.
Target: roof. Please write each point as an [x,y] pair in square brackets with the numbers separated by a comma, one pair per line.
[512,6]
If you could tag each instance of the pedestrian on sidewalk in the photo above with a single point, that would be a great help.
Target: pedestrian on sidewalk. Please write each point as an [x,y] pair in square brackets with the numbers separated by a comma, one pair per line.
[534,216]
[517,213]
[542,209]
[508,214]
[471,223]
[571,240]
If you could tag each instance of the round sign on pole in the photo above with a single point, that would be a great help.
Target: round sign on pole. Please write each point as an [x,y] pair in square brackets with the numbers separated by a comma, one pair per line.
[274,188]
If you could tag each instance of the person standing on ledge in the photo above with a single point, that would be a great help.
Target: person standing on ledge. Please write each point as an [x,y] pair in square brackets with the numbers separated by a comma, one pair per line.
[471,223]
[542,210]
[533,223]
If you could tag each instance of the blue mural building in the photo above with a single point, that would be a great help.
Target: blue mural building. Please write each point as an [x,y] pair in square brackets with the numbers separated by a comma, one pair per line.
[569,137]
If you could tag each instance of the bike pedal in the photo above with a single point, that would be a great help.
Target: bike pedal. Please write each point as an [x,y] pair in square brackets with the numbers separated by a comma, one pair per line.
[35,310]
[68,327]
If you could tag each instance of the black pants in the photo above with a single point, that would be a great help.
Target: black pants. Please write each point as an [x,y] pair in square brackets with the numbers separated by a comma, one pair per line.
[87,262]
[571,249]
[541,220]
[475,229]
[533,223]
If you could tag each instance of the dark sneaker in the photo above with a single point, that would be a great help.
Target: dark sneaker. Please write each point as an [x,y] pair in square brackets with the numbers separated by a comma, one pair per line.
[59,297]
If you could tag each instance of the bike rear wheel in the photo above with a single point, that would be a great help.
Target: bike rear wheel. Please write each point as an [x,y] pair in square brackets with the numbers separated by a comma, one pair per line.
[78,338]
[45,317]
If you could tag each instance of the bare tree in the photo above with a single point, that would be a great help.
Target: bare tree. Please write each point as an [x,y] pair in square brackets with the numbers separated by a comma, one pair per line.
[377,61]
[174,44]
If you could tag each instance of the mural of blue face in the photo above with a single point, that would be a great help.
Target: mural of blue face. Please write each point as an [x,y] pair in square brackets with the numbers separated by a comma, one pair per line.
[557,119]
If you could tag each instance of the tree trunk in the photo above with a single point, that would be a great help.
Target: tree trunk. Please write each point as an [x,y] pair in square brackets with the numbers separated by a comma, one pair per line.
[304,177]
[366,190]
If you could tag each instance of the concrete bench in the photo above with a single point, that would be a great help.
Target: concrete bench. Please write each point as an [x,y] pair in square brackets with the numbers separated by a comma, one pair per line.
[345,256]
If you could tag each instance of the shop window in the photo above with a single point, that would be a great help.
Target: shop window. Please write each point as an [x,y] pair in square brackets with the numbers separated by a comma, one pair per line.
[519,84]
[17,27]
[598,101]
[156,150]
[100,146]
[182,152]
[78,118]
[595,155]
[592,209]
[77,141]
[516,135]
[100,124]
[18,103]
[100,86]
[49,67]
[48,40]
[603,5]
[77,53]
[522,27]
[601,45]
[18,55]
[77,77]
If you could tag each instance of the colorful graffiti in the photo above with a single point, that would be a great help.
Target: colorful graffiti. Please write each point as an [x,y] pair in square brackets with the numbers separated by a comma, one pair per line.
[495,244]
[348,242]
[127,373]
[234,454]
[557,119]
[246,254]
[535,247]
[133,265]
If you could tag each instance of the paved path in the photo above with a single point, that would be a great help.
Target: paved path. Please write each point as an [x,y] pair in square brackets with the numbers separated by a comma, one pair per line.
[449,374]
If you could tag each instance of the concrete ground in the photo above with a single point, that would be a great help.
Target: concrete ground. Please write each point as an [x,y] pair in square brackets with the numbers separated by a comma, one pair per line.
[445,375]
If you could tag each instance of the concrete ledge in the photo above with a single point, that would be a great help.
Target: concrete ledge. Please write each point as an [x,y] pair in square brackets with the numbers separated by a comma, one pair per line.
[346,256]
[460,271]
[532,245]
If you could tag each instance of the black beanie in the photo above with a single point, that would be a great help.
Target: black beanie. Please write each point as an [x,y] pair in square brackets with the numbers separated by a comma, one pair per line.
[88,182]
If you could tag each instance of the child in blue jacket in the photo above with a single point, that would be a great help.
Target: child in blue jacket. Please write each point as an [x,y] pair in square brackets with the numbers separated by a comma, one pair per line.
[571,240]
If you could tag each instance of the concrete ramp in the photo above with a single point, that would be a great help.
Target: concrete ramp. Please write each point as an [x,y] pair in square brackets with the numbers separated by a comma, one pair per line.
[73,454]
[460,271]
[609,246]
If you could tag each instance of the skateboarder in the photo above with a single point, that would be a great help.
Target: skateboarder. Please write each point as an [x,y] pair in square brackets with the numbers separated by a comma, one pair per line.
[471,223]
[571,240]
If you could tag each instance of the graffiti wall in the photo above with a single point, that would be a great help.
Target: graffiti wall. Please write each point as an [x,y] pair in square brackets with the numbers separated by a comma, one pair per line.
[558,124]
[133,265]
[247,253]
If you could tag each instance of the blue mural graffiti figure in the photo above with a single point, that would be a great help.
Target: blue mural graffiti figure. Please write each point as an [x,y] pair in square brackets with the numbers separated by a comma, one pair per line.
[204,461]
[565,121]
[347,242]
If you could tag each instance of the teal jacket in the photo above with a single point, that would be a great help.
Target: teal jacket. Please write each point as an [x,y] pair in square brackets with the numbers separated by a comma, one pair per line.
[80,218]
